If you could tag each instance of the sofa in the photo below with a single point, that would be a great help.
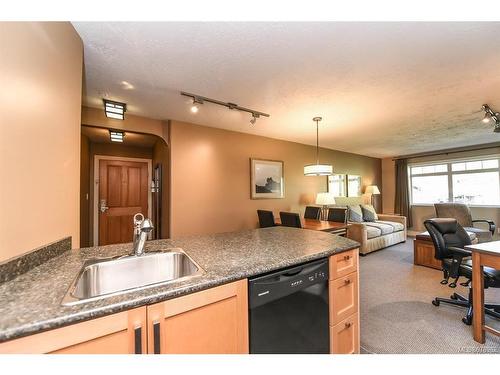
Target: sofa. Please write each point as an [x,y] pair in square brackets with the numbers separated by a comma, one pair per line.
[381,231]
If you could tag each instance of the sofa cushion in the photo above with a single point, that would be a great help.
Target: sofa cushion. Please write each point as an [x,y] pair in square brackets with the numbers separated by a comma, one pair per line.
[355,214]
[372,232]
[396,226]
[384,228]
[369,213]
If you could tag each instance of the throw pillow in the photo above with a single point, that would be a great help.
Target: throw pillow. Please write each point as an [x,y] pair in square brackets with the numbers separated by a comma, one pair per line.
[369,213]
[355,213]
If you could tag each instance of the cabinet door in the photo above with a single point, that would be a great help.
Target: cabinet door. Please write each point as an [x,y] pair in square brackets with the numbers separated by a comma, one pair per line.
[121,333]
[343,297]
[344,336]
[343,264]
[208,322]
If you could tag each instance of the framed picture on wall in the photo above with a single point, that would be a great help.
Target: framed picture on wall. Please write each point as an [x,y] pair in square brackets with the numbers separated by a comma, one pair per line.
[337,185]
[266,179]
[353,185]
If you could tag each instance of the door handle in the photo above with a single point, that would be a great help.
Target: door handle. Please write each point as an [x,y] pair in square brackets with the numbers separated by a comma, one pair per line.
[138,340]
[156,338]
[103,206]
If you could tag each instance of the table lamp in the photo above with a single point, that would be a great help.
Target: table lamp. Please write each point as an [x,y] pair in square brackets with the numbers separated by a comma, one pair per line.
[372,190]
[324,199]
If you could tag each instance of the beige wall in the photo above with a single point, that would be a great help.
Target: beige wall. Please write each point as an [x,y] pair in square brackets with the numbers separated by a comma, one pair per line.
[40,104]
[96,117]
[422,212]
[210,177]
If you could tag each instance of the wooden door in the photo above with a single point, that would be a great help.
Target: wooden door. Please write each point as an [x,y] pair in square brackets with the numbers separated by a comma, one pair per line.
[123,192]
[213,321]
[120,333]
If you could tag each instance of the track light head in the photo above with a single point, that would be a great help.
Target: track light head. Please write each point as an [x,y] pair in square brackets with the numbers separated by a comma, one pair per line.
[255,116]
[195,107]
[487,118]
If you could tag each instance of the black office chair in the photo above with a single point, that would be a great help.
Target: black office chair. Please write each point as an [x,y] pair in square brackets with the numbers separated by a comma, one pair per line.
[266,218]
[290,219]
[337,214]
[449,239]
[312,212]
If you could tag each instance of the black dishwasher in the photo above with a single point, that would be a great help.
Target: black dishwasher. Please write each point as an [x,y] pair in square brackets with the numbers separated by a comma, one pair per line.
[289,310]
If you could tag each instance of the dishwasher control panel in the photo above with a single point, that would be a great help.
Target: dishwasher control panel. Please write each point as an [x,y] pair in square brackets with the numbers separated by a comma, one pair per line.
[266,288]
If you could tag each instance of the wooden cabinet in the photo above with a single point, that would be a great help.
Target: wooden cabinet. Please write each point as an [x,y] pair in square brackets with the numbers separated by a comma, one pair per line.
[121,333]
[344,302]
[213,321]
[344,336]
[343,264]
[423,252]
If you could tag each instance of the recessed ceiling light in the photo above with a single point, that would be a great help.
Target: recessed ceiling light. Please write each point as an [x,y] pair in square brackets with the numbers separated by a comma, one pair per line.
[114,109]
[116,136]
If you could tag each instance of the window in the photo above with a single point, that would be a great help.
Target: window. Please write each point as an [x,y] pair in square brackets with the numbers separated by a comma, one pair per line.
[475,182]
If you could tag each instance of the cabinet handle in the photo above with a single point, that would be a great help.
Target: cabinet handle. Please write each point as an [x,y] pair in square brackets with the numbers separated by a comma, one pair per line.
[347,281]
[156,337]
[348,324]
[347,257]
[138,340]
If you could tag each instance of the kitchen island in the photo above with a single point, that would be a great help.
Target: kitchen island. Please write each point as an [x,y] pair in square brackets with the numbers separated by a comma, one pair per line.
[31,302]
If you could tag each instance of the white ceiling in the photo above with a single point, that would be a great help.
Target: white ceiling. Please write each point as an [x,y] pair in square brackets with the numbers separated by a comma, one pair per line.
[383,89]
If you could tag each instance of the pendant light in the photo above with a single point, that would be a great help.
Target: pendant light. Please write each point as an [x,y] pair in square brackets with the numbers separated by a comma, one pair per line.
[318,169]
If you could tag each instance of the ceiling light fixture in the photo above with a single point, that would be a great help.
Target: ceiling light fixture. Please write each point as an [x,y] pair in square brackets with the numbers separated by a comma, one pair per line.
[114,109]
[198,99]
[490,115]
[318,169]
[196,102]
[116,136]
[255,116]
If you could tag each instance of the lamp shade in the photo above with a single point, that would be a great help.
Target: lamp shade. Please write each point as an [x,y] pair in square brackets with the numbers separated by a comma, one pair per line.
[318,170]
[325,199]
[372,189]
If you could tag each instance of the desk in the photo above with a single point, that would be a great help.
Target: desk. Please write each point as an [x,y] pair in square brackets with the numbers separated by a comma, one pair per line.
[484,254]
[321,225]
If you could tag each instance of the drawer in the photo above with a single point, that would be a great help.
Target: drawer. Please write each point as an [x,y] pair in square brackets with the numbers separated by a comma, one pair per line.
[343,264]
[344,336]
[343,293]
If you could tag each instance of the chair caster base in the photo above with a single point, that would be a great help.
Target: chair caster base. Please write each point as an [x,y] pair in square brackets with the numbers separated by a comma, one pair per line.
[435,302]
[454,296]
[467,320]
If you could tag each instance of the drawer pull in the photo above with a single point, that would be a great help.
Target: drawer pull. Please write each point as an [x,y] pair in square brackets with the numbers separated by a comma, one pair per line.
[156,338]
[138,340]
[348,324]
[347,257]
[347,281]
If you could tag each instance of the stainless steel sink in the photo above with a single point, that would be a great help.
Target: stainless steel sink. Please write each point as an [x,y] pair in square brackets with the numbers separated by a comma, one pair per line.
[101,278]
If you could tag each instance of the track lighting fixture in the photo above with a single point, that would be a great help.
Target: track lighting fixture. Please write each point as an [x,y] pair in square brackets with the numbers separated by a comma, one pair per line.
[491,116]
[198,99]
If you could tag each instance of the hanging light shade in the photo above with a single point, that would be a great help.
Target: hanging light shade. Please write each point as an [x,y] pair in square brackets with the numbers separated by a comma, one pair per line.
[318,169]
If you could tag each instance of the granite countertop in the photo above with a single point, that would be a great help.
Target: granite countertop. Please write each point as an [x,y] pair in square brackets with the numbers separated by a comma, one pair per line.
[31,302]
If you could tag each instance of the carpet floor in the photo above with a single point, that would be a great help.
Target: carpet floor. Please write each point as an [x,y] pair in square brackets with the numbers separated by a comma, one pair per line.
[396,311]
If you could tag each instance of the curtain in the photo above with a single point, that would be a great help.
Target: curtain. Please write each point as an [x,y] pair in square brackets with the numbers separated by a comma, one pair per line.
[402,199]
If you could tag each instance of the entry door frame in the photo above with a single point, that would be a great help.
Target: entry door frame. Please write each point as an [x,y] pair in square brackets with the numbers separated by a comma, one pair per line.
[95,208]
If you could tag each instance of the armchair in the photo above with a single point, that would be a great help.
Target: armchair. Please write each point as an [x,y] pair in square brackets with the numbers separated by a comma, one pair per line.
[449,239]
[461,212]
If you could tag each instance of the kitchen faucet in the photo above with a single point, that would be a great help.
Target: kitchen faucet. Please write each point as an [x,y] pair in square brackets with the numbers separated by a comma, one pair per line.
[142,227]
